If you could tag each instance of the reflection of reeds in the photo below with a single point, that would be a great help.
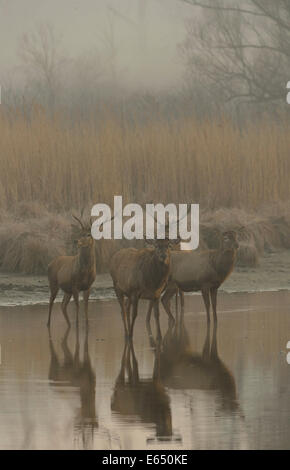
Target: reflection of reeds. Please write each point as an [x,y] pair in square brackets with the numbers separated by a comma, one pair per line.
[65,167]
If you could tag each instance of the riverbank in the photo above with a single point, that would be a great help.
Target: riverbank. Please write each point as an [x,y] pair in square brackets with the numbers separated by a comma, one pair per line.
[272,274]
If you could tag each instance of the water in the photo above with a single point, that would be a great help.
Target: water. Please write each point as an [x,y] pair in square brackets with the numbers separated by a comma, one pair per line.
[198,389]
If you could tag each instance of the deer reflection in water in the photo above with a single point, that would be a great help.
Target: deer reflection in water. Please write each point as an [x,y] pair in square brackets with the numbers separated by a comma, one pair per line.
[145,399]
[177,367]
[219,411]
[74,372]
[181,368]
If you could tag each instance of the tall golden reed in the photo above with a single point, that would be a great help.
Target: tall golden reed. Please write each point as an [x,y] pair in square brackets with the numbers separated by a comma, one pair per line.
[209,162]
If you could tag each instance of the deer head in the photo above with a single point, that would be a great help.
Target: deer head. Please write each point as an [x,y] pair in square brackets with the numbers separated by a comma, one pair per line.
[229,240]
[86,227]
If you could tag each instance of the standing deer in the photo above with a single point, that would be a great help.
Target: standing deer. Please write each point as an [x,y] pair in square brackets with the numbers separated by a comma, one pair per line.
[141,274]
[203,271]
[74,274]
[178,293]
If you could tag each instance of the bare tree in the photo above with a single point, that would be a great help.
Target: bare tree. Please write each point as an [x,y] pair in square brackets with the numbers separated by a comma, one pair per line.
[240,50]
[108,38]
[40,52]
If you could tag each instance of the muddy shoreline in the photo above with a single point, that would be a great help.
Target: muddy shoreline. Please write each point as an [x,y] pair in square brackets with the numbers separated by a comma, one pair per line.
[272,274]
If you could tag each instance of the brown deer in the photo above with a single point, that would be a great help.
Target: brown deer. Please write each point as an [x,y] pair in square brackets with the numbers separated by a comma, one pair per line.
[74,274]
[203,271]
[140,274]
[178,293]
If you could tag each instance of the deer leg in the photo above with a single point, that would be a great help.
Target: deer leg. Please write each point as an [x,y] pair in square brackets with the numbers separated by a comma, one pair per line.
[134,315]
[148,324]
[156,314]
[128,311]
[205,295]
[53,293]
[213,296]
[128,363]
[135,371]
[181,295]
[76,299]
[86,295]
[148,321]
[65,301]
[148,317]
[120,297]
[169,293]
[178,309]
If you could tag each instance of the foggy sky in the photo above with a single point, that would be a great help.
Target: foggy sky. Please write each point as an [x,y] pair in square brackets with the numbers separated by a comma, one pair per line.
[146,32]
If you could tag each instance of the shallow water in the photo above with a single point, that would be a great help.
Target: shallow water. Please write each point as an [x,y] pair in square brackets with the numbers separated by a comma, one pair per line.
[198,389]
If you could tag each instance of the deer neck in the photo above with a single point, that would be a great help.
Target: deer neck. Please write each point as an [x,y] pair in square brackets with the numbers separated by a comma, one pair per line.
[160,268]
[224,263]
[86,258]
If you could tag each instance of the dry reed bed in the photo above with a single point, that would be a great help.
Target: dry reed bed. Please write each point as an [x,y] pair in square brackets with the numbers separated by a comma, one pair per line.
[212,163]
[232,174]
[32,236]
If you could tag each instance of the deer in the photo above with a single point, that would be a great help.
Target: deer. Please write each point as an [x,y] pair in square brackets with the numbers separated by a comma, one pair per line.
[178,293]
[141,274]
[74,274]
[204,271]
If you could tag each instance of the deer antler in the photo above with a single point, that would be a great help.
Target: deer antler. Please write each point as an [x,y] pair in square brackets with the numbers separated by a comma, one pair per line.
[187,212]
[79,221]
[167,222]
[179,218]
[108,220]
